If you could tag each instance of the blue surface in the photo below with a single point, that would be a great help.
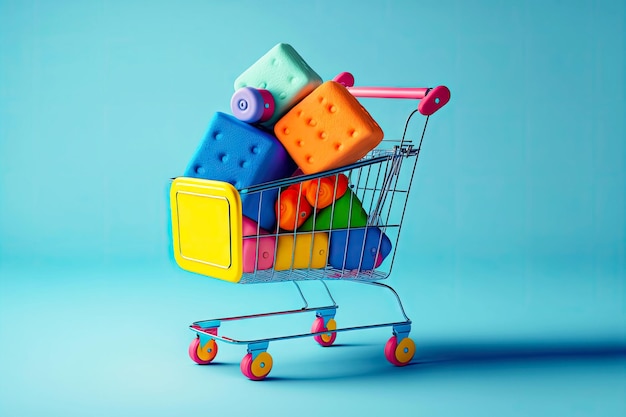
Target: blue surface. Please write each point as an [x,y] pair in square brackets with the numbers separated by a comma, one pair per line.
[511,262]
[358,248]
[242,155]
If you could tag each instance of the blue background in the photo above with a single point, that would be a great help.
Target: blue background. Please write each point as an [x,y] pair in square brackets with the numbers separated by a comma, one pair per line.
[511,262]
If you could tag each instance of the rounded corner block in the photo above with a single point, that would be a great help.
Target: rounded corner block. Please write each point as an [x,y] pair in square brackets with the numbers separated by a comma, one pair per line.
[207,227]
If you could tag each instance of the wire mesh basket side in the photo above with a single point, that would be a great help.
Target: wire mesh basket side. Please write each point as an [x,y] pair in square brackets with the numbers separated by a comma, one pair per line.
[374,189]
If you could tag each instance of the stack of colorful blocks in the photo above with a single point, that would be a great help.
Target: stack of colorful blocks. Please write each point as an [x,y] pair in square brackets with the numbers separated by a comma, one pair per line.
[286,120]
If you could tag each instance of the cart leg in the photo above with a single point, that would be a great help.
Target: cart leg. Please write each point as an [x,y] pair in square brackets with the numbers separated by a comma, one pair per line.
[325,321]
[257,364]
[400,348]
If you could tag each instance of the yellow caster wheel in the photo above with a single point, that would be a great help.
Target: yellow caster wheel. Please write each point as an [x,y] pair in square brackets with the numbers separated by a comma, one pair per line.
[258,368]
[202,355]
[400,354]
[325,339]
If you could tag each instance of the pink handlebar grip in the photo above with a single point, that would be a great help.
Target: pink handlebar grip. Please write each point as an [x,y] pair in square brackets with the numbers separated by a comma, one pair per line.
[432,99]
[345,78]
[388,92]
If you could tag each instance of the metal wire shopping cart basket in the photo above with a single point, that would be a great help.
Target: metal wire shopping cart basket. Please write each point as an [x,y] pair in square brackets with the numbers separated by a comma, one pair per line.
[359,248]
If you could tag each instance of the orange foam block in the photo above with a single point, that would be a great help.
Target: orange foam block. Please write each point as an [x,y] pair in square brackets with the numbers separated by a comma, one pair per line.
[292,209]
[328,129]
[322,192]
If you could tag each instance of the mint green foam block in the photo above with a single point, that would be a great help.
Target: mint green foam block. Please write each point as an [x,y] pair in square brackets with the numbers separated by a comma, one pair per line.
[348,212]
[284,73]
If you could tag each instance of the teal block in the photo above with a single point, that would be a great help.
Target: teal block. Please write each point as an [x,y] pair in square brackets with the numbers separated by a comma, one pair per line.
[284,73]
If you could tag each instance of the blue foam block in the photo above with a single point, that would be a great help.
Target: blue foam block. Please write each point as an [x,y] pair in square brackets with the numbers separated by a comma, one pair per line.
[242,155]
[358,248]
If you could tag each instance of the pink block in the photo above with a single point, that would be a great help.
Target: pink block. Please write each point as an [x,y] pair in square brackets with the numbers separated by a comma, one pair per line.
[265,245]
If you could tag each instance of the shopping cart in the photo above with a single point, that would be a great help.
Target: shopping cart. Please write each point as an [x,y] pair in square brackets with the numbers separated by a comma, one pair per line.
[211,238]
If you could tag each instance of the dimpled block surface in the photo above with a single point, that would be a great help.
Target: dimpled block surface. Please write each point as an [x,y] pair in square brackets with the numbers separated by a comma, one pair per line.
[362,249]
[258,250]
[284,73]
[328,129]
[307,250]
[242,155]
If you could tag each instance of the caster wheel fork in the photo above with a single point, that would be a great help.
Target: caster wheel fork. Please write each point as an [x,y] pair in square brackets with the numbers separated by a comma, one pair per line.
[257,364]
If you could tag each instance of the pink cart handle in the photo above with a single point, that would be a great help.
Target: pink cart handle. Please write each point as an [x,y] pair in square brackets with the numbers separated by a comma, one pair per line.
[432,99]
[389,92]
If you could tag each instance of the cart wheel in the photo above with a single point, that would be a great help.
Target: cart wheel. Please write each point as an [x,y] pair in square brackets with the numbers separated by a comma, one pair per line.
[202,355]
[258,368]
[400,354]
[251,105]
[324,339]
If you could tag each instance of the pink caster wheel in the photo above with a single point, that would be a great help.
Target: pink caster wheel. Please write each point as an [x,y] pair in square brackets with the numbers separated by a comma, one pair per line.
[202,355]
[325,339]
[258,368]
[252,105]
[400,354]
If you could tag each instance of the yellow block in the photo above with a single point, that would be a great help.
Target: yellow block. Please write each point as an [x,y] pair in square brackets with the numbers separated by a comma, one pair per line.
[206,227]
[309,251]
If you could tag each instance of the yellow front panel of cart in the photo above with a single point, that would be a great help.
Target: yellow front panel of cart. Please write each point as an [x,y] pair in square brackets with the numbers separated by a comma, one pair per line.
[206,227]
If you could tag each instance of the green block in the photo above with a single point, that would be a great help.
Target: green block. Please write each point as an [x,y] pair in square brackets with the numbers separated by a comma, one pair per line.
[343,215]
[284,73]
